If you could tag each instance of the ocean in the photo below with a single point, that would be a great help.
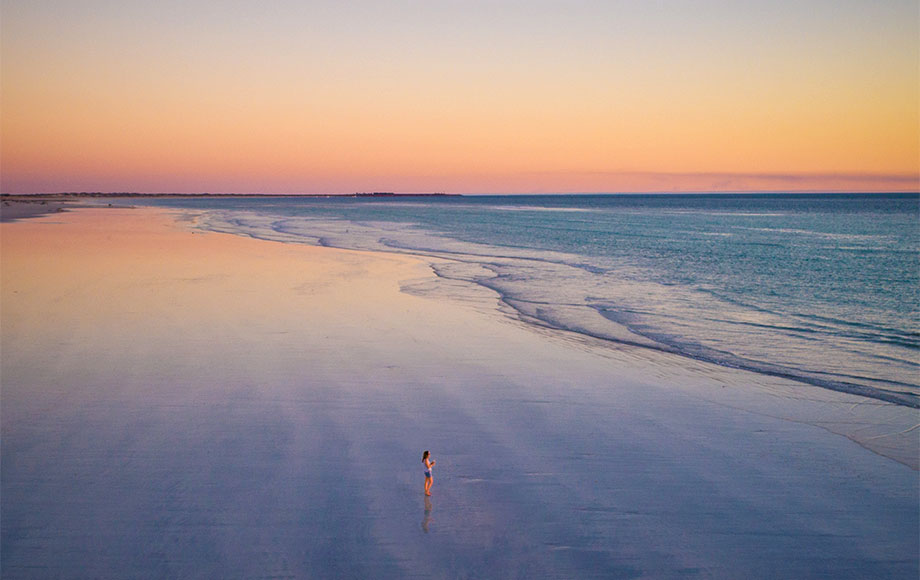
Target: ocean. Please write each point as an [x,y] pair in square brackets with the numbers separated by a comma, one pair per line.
[820,288]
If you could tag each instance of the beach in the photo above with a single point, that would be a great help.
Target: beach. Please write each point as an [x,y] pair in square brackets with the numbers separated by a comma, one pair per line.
[14,208]
[180,403]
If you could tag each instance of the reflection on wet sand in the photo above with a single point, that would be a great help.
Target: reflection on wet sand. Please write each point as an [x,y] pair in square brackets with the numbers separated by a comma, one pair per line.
[426,520]
[181,405]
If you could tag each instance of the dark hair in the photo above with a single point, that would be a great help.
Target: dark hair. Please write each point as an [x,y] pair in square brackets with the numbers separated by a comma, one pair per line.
[424,455]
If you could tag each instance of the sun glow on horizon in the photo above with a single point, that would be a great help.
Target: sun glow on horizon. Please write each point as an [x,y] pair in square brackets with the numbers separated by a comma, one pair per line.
[467,98]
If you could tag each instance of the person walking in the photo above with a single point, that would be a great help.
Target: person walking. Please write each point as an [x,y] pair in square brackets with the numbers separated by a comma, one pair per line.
[429,463]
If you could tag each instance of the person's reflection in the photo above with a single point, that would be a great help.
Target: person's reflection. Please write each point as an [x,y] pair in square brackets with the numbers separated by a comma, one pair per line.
[427,519]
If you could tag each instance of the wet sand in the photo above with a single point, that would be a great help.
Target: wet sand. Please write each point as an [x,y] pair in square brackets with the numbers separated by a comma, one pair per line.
[20,209]
[181,404]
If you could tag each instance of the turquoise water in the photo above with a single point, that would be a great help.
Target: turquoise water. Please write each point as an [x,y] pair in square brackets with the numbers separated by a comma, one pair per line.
[820,288]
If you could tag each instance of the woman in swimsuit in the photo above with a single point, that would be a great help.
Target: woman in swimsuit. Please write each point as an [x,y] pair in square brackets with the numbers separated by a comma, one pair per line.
[429,463]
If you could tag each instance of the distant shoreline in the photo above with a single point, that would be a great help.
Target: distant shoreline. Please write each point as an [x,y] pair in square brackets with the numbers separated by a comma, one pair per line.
[19,206]
[68,196]
[15,208]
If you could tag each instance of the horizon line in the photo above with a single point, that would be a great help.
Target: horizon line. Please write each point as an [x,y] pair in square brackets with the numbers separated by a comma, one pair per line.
[465,194]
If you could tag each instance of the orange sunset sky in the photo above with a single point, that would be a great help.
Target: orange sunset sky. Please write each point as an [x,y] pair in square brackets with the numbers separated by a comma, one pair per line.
[461,97]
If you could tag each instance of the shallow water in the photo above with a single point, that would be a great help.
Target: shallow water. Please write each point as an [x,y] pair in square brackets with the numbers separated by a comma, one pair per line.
[820,288]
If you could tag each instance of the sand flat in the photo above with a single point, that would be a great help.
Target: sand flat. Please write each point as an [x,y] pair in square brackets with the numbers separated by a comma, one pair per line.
[181,404]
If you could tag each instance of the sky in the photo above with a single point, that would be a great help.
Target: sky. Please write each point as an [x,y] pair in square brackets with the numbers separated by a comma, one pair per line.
[478,96]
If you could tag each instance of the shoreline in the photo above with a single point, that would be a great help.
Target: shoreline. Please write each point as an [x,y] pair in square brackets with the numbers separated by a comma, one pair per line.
[762,384]
[590,320]
[178,400]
